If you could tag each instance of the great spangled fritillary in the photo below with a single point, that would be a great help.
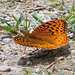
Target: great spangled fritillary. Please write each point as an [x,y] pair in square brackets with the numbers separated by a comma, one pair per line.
[49,35]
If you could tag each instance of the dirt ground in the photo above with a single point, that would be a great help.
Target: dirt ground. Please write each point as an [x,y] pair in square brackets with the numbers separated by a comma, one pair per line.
[14,57]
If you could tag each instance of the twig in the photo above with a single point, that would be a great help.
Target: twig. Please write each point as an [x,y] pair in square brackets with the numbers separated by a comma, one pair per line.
[60,58]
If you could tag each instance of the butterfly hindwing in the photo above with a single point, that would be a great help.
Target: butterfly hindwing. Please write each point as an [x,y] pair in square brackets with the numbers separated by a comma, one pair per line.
[31,42]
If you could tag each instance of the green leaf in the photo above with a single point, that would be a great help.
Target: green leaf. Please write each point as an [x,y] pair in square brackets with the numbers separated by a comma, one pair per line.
[5,22]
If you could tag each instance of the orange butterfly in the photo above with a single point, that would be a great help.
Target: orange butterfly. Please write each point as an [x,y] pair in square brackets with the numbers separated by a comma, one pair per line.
[49,35]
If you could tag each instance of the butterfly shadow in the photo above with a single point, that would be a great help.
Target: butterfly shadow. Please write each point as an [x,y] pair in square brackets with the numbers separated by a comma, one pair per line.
[43,56]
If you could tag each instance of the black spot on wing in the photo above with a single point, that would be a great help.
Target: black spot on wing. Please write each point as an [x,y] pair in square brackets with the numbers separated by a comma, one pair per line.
[54,25]
[43,25]
[57,30]
[53,22]
[57,27]
[48,23]
[50,30]
[52,33]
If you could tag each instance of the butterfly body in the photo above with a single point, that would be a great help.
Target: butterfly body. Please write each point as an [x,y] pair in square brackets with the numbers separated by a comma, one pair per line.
[49,35]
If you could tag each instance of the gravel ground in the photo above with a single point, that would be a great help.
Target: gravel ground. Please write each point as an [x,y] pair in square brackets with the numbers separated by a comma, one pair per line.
[13,57]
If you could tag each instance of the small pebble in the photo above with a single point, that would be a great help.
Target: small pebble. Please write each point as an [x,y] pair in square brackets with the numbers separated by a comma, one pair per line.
[22,61]
[29,62]
[5,70]
[73,51]
[61,58]
[15,53]
[67,9]
[5,36]
[54,18]
[73,62]
[50,8]
[37,70]
[71,35]
[72,48]
[0,39]
[3,59]
[3,15]
[63,12]
[13,74]
[2,43]
[7,40]
[71,42]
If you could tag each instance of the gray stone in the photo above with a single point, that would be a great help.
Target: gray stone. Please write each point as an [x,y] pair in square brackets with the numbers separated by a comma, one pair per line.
[0,39]
[73,62]
[54,18]
[63,12]
[71,35]
[67,9]
[3,15]
[7,40]
[5,36]
[29,62]
[13,74]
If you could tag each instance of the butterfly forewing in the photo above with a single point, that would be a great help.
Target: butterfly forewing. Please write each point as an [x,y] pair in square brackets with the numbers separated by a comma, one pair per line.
[52,27]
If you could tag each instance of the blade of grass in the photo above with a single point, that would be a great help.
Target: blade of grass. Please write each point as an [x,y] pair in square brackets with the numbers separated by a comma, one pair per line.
[53,0]
[72,22]
[6,22]
[34,26]
[14,17]
[26,71]
[29,24]
[19,21]
[71,25]
[37,18]
[70,14]
[61,6]
[48,72]
[73,29]
[72,17]
[8,28]
[23,25]
[26,22]
[20,11]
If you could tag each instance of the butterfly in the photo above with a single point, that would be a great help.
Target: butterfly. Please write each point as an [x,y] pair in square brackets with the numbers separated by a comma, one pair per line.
[49,35]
